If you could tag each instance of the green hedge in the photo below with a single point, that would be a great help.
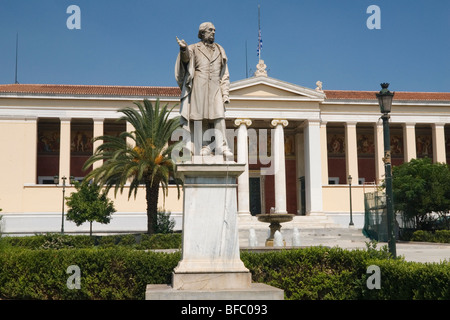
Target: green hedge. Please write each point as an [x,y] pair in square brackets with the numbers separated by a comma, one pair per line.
[109,273]
[309,273]
[441,236]
[58,241]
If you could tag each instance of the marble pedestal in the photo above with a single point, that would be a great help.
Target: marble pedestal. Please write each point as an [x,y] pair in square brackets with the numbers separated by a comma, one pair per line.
[210,265]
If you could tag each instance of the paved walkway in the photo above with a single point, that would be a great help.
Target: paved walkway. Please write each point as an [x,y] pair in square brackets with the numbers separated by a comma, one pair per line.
[354,239]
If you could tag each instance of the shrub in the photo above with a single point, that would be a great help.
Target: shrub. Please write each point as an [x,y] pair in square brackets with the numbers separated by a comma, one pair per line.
[313,273]
[442,236]
[58,241]
[110,273]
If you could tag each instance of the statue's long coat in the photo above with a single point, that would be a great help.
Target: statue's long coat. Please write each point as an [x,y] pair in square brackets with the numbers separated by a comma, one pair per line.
[204,81]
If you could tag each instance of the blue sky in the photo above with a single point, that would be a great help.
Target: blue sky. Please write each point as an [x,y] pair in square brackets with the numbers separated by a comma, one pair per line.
[133,42]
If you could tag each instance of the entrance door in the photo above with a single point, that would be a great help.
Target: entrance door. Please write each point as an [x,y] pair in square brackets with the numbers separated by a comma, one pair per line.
[255,195]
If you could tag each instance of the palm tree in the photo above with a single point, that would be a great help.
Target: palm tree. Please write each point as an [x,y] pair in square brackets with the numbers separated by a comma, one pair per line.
[145,161]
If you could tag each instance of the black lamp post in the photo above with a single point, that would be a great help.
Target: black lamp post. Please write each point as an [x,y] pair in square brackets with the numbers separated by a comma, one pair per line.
[56,182]
[349,179]
[385,101]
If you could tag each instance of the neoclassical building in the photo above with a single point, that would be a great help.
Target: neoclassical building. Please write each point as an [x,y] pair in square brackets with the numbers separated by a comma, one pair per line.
[300,144]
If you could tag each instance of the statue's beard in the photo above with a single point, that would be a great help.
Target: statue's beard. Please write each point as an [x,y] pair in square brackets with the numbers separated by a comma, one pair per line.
[209,40]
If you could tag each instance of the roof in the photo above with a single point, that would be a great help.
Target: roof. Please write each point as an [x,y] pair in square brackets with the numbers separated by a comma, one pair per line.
[401,95]
[103,90]
[89,90]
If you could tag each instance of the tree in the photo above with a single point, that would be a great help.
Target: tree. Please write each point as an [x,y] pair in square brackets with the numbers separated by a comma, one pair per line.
[88,204]
[147,160]
[420,188]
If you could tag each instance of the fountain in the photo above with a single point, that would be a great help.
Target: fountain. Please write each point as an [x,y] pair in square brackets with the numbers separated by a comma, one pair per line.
[275,220]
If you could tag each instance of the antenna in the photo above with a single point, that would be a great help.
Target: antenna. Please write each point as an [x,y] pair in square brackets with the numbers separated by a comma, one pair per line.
[17,54]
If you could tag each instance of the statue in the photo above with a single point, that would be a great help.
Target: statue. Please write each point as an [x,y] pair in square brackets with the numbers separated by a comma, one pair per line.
[201,72]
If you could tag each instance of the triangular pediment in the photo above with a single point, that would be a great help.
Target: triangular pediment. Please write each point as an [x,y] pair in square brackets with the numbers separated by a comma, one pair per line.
[267,87]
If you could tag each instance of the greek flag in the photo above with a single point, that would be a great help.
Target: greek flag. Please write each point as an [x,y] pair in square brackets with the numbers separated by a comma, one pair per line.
[259,44]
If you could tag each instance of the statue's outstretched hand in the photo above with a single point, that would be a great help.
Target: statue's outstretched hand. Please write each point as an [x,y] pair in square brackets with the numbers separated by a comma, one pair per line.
[182,43]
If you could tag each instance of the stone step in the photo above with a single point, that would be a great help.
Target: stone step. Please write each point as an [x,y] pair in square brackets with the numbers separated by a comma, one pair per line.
[344,237]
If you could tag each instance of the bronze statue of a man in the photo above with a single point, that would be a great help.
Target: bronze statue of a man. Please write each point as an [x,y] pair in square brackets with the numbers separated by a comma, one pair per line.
[201,72]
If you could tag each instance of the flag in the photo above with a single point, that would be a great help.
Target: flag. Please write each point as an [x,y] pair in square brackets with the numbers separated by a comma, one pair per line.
[259,43]
[258,51]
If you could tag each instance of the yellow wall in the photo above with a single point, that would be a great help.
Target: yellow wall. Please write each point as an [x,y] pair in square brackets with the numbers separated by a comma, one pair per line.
[336,198]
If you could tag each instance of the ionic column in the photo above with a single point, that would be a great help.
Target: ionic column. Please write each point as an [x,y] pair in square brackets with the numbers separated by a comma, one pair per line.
[279,165]
[409,141]
[351,151]
[98,131]
[379,151]
[313,168]
[242,157]
[130,128]
[438,133]
[64,149]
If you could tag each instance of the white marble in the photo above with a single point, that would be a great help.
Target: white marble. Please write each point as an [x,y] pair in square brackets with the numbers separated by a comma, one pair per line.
[279,164]
[242,157]
[210,252]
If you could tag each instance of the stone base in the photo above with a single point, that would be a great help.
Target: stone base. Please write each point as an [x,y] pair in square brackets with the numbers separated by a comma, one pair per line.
[211,281]
[256,291]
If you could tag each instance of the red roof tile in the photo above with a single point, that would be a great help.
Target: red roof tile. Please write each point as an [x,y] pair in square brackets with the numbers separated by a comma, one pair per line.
[89,90]
[94,90]
[401,95]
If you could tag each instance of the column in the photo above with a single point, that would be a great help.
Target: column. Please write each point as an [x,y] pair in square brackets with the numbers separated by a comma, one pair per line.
[351,151]
[64,149]
[324,151]
[30,150]
[130,128]
[379,151]
[279,165]
[242,157]
[98,131]
[438,133]
[313,168]
[409,141]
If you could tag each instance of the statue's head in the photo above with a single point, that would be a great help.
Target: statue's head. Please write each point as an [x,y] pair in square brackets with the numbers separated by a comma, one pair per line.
[206,32]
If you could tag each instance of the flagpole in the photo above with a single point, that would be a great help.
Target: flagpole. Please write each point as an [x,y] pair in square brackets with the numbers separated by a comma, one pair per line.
[259,32]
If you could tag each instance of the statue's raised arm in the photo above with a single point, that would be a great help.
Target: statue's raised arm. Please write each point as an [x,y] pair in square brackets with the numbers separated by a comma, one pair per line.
[183,45]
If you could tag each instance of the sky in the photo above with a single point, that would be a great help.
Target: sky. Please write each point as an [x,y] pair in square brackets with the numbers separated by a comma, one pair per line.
[133,43]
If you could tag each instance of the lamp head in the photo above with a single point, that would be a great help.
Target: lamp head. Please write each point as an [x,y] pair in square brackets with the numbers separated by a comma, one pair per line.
[385,98]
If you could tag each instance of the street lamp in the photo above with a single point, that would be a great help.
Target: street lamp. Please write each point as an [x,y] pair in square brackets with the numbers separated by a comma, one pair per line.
[385,101]
[56,182]
[349,179]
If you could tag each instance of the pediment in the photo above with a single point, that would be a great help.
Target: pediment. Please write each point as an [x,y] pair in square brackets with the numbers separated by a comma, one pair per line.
[270,88]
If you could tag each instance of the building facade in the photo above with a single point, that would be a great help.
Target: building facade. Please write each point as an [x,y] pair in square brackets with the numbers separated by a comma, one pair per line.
[300,144]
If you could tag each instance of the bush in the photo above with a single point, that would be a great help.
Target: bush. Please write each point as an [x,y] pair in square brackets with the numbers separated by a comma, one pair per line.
[58,241]
[313,273]
[110,273]
[441,236]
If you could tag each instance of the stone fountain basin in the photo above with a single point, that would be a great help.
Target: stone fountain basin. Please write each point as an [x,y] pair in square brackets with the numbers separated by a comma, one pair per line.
[275,217]
[275,220]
